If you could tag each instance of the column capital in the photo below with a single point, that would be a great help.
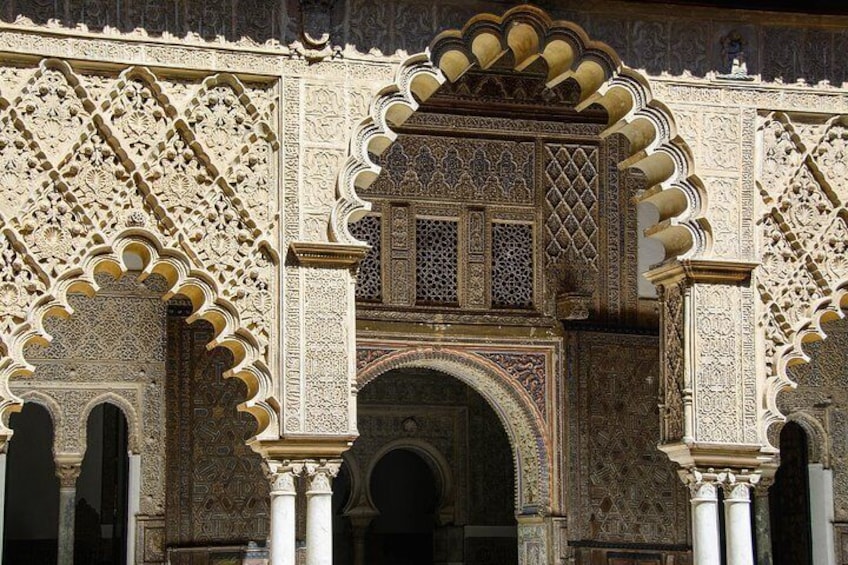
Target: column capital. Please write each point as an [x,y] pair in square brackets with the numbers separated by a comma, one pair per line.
[68,468]
[281,475]
[737,486]
[320,474]
[703,485]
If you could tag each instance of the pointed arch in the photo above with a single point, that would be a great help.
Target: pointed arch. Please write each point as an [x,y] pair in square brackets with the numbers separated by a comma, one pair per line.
[529,36]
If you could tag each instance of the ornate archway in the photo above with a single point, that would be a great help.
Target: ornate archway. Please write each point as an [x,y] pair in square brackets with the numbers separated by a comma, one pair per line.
[94,176]
[532,39]
[513,406]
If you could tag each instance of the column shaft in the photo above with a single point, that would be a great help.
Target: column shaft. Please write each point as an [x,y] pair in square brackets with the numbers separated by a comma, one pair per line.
[737,523]
[68,467]
[2,500]
[706,548]
[762,526]
[319,515]
[283,519]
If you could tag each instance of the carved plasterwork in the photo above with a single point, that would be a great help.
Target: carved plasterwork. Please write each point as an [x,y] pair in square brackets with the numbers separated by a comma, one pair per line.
[450,57]
[801,179]
[111,350]
[619,477]
[141,161]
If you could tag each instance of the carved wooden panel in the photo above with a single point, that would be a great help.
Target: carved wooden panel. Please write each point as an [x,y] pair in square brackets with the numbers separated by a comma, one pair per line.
[369,284]
[627,491]
[492,164]
[217,492]
[436,266]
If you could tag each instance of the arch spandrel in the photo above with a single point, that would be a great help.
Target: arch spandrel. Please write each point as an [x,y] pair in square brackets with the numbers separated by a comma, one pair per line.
[525,429]
[803,237]
[529,36]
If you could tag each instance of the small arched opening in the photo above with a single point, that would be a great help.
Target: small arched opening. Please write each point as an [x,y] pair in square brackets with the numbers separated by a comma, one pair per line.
[101,517]
[31,490]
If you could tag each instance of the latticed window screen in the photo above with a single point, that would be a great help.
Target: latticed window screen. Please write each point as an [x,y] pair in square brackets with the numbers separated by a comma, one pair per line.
[512,265]
[436,264]
[368,284]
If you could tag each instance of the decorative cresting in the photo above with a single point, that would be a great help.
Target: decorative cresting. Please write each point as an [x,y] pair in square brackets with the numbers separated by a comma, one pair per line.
[532,40]
[181,173]
[802,177]
[514,407]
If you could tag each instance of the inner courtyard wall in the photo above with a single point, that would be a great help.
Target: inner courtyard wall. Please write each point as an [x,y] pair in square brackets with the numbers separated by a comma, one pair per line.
[310,97]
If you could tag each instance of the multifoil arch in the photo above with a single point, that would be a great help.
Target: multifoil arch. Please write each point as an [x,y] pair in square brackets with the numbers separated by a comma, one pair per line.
[531,37]
[182,278]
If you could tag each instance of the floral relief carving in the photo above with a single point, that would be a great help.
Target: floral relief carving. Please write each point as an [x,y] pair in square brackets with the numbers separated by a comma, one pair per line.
[803,224]
[54,229]
[20,285]
[97,177]
[21,167]
[54,108]
[222,117]
[138,113]
[179,178]
[84,157]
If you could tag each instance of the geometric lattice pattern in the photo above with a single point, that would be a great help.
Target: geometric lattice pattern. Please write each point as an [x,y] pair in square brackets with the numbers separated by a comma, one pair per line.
[436,266]
[805,238]
[368,282]
[571,204]
[512,265]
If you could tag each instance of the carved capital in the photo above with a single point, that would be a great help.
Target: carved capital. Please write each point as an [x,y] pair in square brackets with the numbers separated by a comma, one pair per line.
[281,475]
[703,485]
[737,486]
[68,469]
[320,475]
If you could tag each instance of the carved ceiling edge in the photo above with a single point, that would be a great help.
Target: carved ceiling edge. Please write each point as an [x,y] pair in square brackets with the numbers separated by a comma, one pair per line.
[182,277]
[530,35]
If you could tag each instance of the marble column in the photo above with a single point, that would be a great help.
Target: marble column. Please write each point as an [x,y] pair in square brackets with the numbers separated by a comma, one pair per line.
[737,517]
[133,503]
[319,512]
[283,514]
[2,496]
[68,469]
[762,524]
[703,489]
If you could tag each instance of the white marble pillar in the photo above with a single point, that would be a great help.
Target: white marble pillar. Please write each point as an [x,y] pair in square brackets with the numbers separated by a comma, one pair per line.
[283,516]
[68,469]
[706,548]
[319,512]
[133,503]
[2,497]
[821,514]
[737,518]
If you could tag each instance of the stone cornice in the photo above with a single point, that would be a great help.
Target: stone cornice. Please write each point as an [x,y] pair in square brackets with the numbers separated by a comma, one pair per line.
[702,271]
[305,446]
[750,457]
[328,255]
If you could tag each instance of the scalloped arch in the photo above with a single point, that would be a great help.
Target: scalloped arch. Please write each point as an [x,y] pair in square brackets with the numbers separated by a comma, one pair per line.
[527,437]
[825,310]
[183,279]
[529,36]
